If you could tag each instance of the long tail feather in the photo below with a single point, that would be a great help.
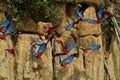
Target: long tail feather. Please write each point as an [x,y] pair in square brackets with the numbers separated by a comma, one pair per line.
[117,28]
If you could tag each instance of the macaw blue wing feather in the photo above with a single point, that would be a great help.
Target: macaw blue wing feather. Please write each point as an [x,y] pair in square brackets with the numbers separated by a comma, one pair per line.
[70,46]
[60,58]
[5,23]
[68,27]
[41,48]
[9,30]
[100,13]
[93,47]
[90,20]
[78,13]
[68,59]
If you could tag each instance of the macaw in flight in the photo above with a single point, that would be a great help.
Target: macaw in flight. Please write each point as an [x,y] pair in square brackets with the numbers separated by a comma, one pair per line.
[87,48]
[67,60]
[75,20]
[68,48]
[91,20]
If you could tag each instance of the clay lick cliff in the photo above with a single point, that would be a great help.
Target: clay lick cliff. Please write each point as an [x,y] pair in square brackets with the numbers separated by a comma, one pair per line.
[72,49]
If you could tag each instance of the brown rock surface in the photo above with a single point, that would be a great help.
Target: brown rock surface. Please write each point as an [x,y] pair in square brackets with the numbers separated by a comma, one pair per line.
[27,68]
[88,66]
[7,67]
[28,26]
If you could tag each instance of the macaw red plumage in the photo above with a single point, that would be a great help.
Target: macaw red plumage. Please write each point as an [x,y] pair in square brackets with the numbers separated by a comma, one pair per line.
[2,29]
[3,37]
[58,41]
[11,51]
[107,14]
[39,55]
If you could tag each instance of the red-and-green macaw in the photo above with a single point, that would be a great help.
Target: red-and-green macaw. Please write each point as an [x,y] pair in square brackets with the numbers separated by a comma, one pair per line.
[64,62]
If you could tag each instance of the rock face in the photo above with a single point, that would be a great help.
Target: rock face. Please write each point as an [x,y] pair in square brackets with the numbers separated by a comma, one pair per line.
[7,67]
[93,65]
[32,69]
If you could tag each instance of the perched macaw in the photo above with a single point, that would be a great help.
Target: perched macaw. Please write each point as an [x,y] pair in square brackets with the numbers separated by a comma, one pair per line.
[67,60]
[100,13]
[11,51]
[68,48]
[78,13]
[5,23]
